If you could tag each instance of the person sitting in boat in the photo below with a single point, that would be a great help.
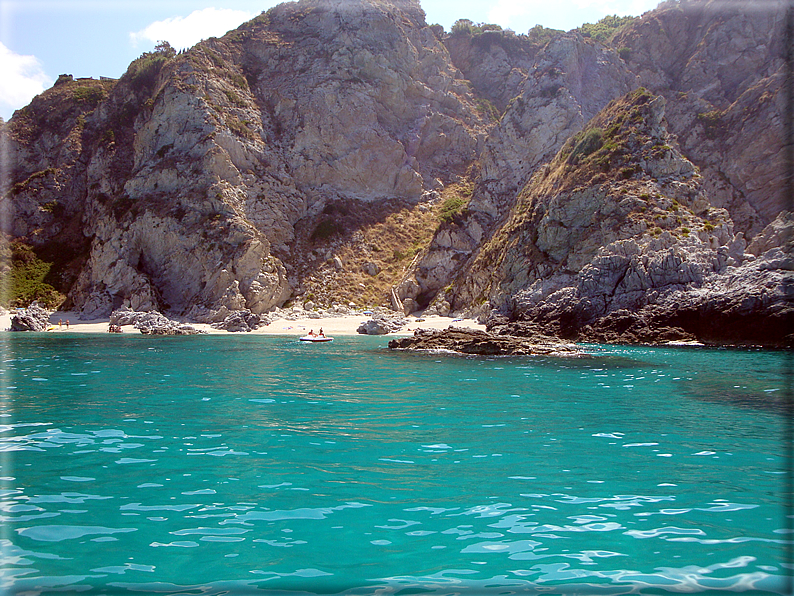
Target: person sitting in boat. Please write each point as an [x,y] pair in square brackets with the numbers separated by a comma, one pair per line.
[321,334]
[312,333]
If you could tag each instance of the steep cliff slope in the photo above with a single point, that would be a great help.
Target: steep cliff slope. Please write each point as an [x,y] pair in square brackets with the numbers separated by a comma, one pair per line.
[343,150]
[570,80]
[692,54]
[615,240]
[188,176]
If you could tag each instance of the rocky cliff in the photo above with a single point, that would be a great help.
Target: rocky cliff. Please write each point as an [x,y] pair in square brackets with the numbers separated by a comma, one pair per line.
[184,181]
[345,151]
[615,240]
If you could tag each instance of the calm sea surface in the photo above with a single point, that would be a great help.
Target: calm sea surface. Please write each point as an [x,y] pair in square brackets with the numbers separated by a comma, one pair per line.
[260,465]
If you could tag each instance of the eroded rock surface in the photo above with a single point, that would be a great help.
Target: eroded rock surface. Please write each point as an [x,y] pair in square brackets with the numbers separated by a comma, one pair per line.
[151,323]
[483,343]
[32,318]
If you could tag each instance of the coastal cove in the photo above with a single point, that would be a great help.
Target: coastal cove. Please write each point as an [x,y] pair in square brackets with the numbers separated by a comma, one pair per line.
[257,464]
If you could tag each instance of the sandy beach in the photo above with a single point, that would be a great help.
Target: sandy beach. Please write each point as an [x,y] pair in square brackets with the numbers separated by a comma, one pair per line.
[331,326]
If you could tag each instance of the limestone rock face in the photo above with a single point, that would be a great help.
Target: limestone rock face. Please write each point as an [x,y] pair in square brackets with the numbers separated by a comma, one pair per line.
[496,63]
[374,109]
[569,82]
[722,70]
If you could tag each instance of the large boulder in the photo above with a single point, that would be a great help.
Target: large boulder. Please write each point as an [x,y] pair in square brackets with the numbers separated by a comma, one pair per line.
[32,318]
[239,321]
[151,323]
[381,324]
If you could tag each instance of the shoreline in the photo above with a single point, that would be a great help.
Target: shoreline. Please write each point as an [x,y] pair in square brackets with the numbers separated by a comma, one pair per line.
[343,325]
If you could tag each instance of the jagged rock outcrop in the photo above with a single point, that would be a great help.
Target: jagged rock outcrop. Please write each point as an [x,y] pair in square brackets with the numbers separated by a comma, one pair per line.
[483,343]
[722,68]
[239,321]
[618,242]
[32,318]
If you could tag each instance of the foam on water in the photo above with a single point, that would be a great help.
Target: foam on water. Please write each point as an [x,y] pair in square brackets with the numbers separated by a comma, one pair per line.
[220,465]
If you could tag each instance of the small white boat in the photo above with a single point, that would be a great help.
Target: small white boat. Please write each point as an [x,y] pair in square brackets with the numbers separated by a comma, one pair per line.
[316,338]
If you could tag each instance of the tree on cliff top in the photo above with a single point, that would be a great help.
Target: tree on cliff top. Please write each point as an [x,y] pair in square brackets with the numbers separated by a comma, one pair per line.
[605,29]
[143,71]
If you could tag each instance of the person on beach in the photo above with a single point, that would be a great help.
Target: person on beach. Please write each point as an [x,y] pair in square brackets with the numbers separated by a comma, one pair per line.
[67,323]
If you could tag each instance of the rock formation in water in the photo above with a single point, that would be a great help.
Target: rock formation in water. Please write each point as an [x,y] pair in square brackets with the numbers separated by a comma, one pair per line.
[483,343]
[344,152]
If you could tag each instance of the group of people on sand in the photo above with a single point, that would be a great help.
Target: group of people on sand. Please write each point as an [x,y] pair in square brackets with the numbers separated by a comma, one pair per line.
[313,334]
[114,328]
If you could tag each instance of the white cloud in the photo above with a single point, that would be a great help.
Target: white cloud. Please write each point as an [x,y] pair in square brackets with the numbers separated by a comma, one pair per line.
[21,79]
[184,32]
[561,14]
[505,11]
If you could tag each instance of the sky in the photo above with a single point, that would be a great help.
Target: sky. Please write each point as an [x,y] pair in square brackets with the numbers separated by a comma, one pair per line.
[41,39]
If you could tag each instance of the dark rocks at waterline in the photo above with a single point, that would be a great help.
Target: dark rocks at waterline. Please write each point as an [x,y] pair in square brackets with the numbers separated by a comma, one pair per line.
[732,319]
[483,343]
[32,318]
[619,327]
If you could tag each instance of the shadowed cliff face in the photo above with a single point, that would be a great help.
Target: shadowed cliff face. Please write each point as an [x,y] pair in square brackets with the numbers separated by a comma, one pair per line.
[336,148]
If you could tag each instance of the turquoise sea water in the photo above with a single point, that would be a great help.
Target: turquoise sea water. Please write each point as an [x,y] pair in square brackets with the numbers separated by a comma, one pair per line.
[261,465]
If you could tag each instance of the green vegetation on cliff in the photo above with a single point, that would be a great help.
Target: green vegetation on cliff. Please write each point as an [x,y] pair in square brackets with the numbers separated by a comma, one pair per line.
[605,29]
[28,279]
[142,72]
[468,27]
[610,144]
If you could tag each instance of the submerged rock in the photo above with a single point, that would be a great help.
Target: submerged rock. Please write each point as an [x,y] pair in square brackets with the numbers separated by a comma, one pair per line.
[470,341]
